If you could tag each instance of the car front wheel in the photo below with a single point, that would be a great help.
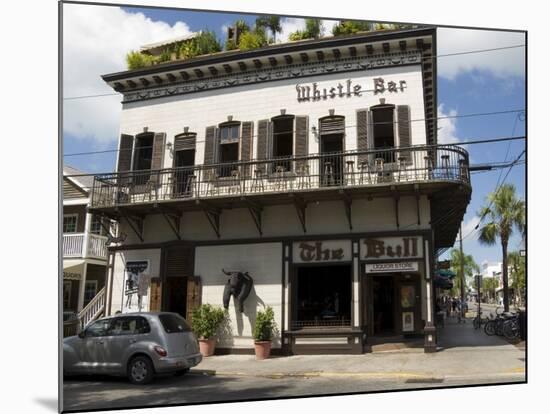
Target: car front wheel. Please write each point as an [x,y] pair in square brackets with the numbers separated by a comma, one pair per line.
[140,370]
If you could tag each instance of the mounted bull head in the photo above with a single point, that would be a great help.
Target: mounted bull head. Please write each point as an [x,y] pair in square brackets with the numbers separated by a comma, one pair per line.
[239,285]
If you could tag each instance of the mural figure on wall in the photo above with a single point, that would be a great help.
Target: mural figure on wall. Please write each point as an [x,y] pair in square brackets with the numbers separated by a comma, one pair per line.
[239,285]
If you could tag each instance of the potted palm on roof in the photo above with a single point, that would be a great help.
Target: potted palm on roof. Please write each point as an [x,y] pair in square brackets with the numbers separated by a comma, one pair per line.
[205,320]
[264,329]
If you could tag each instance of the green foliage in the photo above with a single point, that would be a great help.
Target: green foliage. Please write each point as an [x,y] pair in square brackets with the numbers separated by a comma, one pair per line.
[230,45]
[242,25]
[489,286]
[273,23]
[470,269]
[252,40]
[136,60]
[206,319]
[517,268]
[207,42]
[314,30]
[264,328]
[346,27]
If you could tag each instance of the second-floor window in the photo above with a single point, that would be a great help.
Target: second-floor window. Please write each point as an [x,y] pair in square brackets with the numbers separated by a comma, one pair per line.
[143,157]
[70,222]
[96,227]
[282,143]
[228,150]
[383,128]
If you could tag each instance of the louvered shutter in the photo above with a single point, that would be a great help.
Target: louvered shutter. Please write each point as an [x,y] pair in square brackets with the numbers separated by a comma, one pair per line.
[159,142]
[302,138]
[362,135]
[185,142]
[263,129]
[404,130]
[246,146]
[155,299]
[194,295]
[210,150]
[126,146]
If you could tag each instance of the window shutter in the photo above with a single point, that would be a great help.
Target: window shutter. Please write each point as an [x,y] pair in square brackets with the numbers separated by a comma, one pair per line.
[125,156]
[362,134]
[185,142]
[156,292]
[263,127]
[301,131]
[246,146]
[404,129]
[193,295]
[210,145]
[158,155]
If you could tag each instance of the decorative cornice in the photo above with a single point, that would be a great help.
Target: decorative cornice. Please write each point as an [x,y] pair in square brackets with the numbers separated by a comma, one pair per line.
[269,74]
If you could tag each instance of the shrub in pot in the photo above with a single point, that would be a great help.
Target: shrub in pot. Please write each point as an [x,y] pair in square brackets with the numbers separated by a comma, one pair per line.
[263,333]
[205,320]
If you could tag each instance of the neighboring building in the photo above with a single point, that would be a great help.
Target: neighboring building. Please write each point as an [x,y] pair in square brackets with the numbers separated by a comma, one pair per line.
[312,165]
[84,248]
[491,269]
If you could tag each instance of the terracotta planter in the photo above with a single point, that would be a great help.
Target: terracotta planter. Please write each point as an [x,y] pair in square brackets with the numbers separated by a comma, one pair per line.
[262,349]
[207,346]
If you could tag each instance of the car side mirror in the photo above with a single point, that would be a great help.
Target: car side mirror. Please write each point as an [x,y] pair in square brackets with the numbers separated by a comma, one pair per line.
[82,334]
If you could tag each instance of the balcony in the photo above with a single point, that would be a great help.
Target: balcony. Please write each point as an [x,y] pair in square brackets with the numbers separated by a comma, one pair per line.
[426,169]
[74,246]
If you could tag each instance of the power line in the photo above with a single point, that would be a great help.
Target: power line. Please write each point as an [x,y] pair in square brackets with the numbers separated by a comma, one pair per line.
[422,58]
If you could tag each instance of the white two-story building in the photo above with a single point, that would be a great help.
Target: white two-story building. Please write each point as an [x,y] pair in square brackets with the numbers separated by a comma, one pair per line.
[313,166]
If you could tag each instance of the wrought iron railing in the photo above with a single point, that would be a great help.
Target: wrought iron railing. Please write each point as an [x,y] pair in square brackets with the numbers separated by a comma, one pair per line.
[298,173]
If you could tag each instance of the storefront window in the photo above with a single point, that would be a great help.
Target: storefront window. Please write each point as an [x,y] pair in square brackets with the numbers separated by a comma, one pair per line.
[323,296]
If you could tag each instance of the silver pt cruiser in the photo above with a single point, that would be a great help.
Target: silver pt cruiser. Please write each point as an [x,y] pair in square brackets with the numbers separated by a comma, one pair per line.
[137,345]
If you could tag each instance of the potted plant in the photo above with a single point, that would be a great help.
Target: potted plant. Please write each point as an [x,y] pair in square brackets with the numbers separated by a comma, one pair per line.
[263,333]
[205,320]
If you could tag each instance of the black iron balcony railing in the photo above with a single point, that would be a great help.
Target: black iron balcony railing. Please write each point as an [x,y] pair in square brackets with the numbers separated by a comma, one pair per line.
[313,172]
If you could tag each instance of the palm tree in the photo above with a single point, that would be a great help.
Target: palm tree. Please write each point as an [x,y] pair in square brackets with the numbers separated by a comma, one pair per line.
[503,213]
[517,268]
[273,23]
[470,268]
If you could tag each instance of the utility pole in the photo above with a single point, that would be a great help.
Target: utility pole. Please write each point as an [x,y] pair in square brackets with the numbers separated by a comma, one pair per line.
[461,273]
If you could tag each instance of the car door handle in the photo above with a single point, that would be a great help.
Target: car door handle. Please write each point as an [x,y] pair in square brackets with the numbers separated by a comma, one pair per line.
[99,342]
[132,341]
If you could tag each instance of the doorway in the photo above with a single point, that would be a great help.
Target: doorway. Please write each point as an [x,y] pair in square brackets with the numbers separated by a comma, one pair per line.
[176,295]
[383,314]
[331,162]
[182,183]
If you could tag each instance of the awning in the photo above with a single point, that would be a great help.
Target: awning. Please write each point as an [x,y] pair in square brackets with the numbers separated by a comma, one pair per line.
[445,273]
[73,269]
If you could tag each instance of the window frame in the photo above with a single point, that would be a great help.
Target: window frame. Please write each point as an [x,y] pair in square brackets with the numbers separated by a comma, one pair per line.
[136,317]
[136,148]
[94,282]
[379,107]
[75,215]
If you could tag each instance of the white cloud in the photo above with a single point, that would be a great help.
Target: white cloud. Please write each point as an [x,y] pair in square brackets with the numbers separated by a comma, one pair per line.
[288,26]
[468,230]
[447,126]
[95,42]
[500,63]
[329,25]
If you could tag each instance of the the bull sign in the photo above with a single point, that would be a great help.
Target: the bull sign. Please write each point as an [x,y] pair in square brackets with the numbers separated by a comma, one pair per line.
[239,285]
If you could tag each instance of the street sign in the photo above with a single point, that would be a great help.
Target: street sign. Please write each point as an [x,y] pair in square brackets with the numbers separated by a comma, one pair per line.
[444,264]
[479,280]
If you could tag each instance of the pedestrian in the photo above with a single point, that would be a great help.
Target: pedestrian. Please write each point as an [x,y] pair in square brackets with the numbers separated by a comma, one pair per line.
[453,306]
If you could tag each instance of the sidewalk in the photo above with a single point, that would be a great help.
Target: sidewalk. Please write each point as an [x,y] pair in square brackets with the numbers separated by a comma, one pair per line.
[464,353]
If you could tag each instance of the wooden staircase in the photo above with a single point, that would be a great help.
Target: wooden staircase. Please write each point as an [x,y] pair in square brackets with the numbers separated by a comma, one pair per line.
[93,310]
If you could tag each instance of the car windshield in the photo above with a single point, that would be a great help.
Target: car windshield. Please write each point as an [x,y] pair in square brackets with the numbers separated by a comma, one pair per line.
[173,323]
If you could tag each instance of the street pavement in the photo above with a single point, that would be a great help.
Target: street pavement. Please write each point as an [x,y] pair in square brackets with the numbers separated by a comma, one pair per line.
[466,357]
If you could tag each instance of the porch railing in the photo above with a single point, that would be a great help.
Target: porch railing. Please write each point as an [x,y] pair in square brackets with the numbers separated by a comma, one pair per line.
[349,169]
[74,244]
[93,309]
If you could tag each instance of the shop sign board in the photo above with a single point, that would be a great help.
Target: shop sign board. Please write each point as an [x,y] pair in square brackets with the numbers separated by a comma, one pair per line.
[137,282]
[322,251]
[391,267]
[381,248]
[408,321]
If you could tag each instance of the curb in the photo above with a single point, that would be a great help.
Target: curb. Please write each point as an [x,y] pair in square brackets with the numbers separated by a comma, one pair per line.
[417,376]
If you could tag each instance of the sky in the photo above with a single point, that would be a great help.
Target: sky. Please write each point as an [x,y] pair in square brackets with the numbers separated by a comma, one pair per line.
[97,38]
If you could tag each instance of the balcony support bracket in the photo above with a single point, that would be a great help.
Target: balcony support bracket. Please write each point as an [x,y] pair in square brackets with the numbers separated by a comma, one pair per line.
[346,198]
[173,221]
[300,206]
[213,216]
[417,203]
[396,201]
[255,211]
[136,224]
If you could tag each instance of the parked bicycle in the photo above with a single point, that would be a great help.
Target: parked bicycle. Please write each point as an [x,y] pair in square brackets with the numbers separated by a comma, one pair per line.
[503,321]
[480,321]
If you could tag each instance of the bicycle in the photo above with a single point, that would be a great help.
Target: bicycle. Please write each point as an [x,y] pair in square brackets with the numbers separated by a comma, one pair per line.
[511,328]
[480,321]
